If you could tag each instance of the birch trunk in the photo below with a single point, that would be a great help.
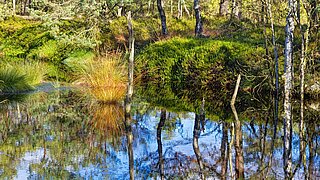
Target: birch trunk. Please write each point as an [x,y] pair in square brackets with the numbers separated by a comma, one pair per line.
[13,7]
[129,98]
[288,85]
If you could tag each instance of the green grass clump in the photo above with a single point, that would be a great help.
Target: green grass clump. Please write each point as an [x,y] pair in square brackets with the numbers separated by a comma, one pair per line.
[12,80]
[21,77]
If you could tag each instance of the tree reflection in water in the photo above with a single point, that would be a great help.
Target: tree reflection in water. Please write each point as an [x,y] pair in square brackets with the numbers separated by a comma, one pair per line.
[67,135]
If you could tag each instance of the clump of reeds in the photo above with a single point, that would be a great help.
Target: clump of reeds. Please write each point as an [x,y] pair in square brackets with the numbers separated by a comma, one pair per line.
[106,78]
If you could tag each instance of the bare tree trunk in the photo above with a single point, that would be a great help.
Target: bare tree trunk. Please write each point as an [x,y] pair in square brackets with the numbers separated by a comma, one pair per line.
[185,7]
[13,7]
[238,135]
[287,121]
[171,7]
[129,98]
[159,129]
[120,9]
[179,9]
[162,17]
[198,28]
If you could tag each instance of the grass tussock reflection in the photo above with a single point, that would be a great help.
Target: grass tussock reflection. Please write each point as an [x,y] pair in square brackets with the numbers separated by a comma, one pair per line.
[107,119]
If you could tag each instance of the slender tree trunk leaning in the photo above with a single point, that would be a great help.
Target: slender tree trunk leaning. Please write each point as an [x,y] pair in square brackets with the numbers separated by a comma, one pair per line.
[163,18]
[159,129]
[238,135]
[129,97]
[198,28]
[288,86]
[224,5]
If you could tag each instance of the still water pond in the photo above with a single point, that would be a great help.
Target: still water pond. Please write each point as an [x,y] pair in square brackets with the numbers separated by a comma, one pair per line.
[65,134]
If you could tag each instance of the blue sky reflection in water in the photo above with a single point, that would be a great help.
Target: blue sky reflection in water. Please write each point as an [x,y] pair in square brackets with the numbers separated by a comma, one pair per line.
[64,134]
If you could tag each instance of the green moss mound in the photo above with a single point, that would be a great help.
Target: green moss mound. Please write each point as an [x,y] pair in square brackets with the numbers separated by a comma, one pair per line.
[202,63]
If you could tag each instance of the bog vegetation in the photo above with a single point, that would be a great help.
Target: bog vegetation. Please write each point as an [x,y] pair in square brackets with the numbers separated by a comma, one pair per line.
[187,51]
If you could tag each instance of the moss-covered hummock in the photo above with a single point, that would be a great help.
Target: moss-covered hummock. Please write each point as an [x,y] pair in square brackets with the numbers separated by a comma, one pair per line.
[202,63]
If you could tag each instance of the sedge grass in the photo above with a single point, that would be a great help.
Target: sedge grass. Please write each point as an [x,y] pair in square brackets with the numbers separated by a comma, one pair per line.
[106,78]
[20,77]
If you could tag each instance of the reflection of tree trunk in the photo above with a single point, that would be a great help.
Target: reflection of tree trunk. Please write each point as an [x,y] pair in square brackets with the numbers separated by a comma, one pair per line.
[303,61]
[263,147]
[276,72]
[159,129]
[238,135]
[224,155]
[310,131]
[129,98]
[196,134]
